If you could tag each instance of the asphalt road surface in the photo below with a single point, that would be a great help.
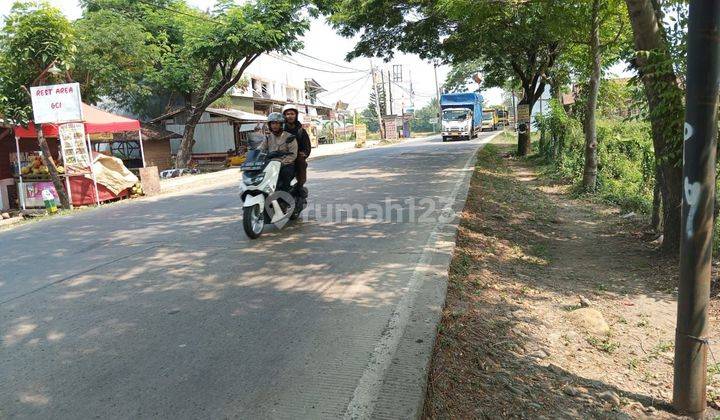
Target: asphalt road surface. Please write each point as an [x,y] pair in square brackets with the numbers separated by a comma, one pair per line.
[163,308]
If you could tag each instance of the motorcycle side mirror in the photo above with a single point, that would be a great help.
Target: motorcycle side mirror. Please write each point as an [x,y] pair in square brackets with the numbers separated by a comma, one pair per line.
[290,140]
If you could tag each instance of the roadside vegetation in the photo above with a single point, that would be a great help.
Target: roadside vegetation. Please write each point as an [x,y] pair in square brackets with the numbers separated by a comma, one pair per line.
[565,47]
[556,307]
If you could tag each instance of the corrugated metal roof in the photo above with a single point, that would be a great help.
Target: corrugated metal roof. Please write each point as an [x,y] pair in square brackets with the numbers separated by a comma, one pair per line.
[236,114]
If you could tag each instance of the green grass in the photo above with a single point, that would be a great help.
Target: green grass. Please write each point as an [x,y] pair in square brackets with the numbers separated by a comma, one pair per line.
[603,344]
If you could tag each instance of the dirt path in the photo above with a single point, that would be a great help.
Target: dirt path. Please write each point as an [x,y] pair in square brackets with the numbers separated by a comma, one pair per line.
[516,341]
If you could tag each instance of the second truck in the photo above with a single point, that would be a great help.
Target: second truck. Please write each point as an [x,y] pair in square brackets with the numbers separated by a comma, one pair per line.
[461,115]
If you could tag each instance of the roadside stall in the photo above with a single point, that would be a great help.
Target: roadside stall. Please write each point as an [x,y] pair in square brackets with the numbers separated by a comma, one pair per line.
[89,177]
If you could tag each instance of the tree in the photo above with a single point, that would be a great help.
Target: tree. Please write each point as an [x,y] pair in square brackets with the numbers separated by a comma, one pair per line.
[370,114]
[520,40]
[657,72]
[421,121]
[204,54]
[35,38]
[461,74]
[113,59]
[600,27]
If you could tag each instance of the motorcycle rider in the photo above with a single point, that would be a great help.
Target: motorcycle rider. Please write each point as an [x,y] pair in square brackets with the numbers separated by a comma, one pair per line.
[294,127]
[277,141]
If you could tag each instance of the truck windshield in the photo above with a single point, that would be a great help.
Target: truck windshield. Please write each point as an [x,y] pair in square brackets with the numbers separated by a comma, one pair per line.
[487,116]
[454,114]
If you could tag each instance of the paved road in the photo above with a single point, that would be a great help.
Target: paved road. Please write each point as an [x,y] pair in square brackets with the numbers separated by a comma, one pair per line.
[163,308]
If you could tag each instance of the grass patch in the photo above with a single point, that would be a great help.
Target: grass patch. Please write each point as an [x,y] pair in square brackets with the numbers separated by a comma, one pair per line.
[603,344]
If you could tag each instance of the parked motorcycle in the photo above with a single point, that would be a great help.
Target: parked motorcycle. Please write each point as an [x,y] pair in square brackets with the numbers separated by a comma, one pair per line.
[263,203]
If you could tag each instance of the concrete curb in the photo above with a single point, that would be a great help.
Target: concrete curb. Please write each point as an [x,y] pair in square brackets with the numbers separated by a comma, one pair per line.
[404,385]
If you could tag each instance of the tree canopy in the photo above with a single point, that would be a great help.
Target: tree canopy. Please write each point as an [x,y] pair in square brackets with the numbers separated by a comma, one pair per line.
[34,37]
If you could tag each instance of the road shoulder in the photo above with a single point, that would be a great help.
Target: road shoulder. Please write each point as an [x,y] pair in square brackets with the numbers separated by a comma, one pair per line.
[394,383]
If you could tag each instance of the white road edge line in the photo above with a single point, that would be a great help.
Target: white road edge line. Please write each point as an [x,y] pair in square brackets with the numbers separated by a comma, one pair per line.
[362,404]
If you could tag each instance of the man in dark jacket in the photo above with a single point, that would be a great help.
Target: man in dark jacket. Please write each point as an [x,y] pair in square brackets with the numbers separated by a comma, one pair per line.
[293,126]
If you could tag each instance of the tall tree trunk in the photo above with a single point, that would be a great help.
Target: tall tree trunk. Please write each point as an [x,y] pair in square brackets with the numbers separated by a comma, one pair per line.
[664,99]
[524,136]
[52,169]
[589,181]
[655,219]
[188,140]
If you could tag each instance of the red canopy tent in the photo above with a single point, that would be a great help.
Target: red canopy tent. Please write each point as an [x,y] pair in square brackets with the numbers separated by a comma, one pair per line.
[95,121]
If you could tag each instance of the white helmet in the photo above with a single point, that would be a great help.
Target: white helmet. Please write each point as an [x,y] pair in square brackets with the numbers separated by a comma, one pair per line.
[289,107]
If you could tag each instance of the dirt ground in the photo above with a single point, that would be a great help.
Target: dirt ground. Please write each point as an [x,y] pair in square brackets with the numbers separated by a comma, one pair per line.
[557,307]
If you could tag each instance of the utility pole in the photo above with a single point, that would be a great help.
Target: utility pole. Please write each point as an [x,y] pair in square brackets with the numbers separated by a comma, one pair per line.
[390,92]
[514,109]
[382,79]
[377,101]
[437,96]
[699,149]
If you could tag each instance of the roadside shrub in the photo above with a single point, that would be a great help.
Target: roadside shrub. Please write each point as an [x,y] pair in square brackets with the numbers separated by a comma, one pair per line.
[625,163]
[556,130]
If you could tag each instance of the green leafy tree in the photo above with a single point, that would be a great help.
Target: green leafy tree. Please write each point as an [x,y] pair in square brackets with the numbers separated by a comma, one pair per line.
[204,54]
[369,114]
[421,122]
[518,40]
[461,74]
[599,32]
[35,38]
[113,59]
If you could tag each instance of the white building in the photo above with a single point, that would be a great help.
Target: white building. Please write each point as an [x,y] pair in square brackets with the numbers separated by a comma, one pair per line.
[270,83]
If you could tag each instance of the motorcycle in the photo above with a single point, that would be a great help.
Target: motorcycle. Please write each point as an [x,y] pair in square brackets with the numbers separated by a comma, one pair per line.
[263,202]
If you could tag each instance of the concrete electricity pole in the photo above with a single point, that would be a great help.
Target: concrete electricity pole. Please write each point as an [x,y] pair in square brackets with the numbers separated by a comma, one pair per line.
[437,95]
[390,93]
[377,101]
[699,149]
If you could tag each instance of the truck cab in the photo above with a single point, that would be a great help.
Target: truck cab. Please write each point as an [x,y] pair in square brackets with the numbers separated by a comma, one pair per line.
[489,120]
[461,115]
[457,123]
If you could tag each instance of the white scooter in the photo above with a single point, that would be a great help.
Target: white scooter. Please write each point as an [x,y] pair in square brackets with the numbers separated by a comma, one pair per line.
[262,202]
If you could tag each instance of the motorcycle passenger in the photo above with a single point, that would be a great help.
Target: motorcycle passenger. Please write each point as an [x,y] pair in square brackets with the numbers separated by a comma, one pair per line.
[276,141]
[294,127]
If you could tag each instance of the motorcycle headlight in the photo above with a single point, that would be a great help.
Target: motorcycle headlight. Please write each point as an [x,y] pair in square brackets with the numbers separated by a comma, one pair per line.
[253,179]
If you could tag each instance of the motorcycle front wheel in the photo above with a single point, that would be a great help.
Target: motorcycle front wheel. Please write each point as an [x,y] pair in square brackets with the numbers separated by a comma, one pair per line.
[253,221]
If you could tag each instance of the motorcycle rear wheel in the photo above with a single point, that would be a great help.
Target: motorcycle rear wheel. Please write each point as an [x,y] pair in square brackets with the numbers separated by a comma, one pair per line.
[253,221]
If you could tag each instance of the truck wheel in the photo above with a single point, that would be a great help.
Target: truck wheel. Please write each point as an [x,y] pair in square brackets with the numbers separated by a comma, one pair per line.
[253,221]
[444,139]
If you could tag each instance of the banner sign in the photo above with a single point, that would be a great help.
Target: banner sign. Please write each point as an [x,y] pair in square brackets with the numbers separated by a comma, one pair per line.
[33,192]
[523,113]
[360,135]
[56,103]
[391,131]
[74,148]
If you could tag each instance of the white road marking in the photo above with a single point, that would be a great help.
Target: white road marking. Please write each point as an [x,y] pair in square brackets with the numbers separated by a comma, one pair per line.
[367,391]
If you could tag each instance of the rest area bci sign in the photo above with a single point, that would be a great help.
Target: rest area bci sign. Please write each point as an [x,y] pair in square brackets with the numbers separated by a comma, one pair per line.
[56,103]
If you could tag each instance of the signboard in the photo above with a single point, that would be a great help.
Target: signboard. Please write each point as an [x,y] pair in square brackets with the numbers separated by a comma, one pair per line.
[74,148]
[33,193]
[360,135]
[391,132]
[434,120]
[56,103]
[523,113]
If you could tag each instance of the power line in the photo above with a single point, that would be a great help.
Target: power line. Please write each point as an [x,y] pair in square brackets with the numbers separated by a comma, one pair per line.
[314,68]
[359,90]
[346,86]
[329,62]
